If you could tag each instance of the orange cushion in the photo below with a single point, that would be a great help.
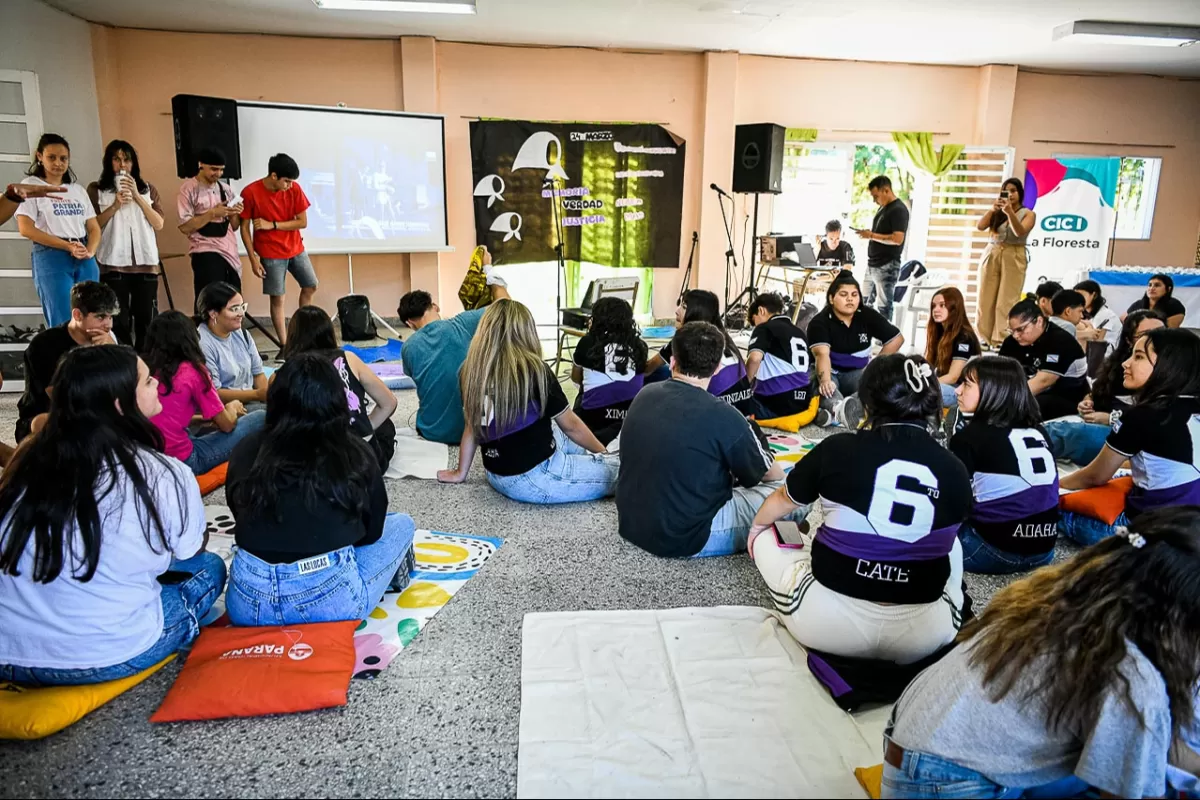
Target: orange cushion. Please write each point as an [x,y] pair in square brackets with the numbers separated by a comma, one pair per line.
[870,779]
[795,422]
[213,479]
[1104,503]
[251,672]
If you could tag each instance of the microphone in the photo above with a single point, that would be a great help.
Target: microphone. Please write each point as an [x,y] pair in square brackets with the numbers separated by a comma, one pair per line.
[718,190]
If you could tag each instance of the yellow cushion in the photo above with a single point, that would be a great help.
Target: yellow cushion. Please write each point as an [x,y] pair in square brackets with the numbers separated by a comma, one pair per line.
[27,713]
[796,421]
[870,778]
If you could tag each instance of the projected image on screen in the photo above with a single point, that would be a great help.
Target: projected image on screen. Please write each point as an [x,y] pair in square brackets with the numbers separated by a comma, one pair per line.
[376,181]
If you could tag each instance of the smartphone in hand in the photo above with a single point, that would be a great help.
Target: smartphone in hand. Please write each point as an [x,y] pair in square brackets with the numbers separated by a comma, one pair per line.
[787,533]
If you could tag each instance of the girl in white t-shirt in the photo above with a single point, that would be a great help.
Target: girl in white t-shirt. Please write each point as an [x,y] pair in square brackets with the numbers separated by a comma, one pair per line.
[62,227]
[103,571]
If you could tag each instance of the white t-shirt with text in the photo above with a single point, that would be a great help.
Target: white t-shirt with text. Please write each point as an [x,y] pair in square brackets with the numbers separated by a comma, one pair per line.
[64,215]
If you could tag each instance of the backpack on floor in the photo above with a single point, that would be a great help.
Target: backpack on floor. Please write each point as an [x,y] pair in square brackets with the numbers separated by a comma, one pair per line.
[354,314]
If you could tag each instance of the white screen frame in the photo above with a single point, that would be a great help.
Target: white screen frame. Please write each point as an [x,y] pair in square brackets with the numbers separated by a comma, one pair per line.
[386,246]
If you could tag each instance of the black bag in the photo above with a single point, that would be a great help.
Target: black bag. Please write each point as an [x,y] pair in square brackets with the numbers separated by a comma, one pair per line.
[354,313]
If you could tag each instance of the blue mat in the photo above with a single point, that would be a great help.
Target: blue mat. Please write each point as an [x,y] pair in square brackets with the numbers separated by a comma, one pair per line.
[658,332]
[385,352]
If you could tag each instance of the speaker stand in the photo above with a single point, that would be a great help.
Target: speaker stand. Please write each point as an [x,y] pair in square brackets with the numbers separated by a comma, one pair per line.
[379,319]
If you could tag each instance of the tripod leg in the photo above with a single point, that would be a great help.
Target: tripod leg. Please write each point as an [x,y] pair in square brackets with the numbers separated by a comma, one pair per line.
[270,335]
[162,273]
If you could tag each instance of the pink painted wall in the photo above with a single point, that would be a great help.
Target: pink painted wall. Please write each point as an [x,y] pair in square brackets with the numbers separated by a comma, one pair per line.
[137,73]
[701,97]
[1126,110]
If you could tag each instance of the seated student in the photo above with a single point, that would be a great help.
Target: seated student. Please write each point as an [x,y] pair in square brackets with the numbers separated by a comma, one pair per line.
[1052,359]
[91,514]
[315,541]
[834,249]
[435,353]
[186,390]
[1100,330]
[779,366]
[535,449]
[1013,523]
[1082,442]
[950,341]
[311,330]
[1067,307]
[1044,295]
[1156,434]
[229,350]
[608,366]
[882,579]
[729,382]
[93,306]
[1080,675]
[693,470]
[1159,296]
[840,338]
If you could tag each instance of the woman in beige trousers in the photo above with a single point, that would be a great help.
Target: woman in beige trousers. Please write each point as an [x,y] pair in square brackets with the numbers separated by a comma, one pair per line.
[1002,269]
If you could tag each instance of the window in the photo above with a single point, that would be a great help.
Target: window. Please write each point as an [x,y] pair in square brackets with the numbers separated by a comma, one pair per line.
[1137,189]
[20,127]
[829,181]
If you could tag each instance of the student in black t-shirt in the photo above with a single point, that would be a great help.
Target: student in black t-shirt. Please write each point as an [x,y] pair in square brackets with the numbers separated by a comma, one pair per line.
[692,467]
[780,367]
[886,238]
[950,341]
[1159,296]
[730,382]
[535,448]
[609,361]
[315,540]
[834,249]
[311,330]
[841,334]
[1052,359]
[1013,523]
[93,306]
[1044,294]
[882,578]
[1159,434]
[1082,442]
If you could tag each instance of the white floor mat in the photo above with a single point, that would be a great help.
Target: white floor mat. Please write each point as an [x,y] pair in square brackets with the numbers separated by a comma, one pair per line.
[416,457]
[691,702]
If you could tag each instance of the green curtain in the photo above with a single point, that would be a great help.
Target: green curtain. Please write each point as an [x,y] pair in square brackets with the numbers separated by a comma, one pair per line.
[917,148]
[801,135]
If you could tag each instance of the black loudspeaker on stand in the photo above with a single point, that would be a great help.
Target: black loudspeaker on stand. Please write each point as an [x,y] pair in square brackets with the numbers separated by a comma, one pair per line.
[202,122]
[757,169]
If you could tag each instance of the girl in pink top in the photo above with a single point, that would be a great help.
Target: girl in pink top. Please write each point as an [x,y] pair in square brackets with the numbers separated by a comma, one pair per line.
[187,394]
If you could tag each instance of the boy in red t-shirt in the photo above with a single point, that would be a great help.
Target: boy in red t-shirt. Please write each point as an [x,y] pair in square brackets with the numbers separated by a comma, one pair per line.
[277,208]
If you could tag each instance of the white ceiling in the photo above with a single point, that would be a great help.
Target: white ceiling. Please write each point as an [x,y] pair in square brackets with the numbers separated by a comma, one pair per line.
[968,32]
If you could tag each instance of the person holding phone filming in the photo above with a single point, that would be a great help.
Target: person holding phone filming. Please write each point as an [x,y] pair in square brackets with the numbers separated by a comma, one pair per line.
[210,215]
[1002,269]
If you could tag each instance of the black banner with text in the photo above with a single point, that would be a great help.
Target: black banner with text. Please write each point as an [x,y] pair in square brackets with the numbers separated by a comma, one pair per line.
[619,190]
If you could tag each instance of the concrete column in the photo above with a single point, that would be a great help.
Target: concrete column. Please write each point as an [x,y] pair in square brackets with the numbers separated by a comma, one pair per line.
[720,113]
[994,104]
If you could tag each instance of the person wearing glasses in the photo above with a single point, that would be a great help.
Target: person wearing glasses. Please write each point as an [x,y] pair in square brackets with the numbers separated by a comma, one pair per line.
[1053,361]
[229,351]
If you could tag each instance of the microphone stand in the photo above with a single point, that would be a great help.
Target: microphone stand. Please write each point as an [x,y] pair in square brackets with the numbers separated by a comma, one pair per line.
[687,273]
[730,257]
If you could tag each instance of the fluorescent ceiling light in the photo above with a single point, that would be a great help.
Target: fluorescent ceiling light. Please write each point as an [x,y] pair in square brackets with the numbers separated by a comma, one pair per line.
[418,6]
[1126,33]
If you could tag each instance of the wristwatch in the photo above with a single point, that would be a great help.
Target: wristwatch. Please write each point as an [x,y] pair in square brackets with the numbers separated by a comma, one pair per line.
[9,194]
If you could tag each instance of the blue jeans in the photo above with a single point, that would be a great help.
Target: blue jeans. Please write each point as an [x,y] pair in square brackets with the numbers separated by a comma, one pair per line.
[1087,531]
[881,280]
[54,273]
[949,398]
[847,380]
[1079,442]
[213,449]
[923,775]
[731,526]
[184,605]
[343,585]
[570,475]
[981,557]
